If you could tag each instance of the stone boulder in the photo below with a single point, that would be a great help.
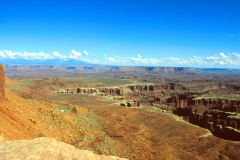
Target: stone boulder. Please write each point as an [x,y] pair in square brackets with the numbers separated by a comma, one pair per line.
[47,149]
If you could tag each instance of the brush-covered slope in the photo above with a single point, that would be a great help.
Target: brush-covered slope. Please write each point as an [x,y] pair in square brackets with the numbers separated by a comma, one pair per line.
[22,119]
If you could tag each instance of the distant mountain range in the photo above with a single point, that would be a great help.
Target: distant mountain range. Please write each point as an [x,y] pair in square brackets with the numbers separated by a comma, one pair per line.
[76,66]
[90,68]
[221,70]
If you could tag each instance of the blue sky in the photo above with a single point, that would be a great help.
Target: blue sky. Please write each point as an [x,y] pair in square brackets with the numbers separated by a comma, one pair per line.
[200,33]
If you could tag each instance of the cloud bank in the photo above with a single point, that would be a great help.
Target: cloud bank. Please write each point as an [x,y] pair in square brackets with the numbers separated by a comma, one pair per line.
[221,60]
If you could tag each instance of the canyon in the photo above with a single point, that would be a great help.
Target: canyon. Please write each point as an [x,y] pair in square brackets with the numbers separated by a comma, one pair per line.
[220,116]
[133,115]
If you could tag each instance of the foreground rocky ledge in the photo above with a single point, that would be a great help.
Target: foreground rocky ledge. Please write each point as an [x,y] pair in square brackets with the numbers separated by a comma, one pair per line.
[47,149]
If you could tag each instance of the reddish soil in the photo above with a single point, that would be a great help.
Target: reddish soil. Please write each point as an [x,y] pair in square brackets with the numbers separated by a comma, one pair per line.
[157,136]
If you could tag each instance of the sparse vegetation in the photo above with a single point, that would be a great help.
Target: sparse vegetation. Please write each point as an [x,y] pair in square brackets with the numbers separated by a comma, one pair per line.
[102,125]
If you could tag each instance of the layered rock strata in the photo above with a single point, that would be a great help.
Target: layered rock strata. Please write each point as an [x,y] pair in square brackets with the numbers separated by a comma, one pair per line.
[178,99]
[188,100]
[222,124]
[174,95]
[2,83]
[135,95]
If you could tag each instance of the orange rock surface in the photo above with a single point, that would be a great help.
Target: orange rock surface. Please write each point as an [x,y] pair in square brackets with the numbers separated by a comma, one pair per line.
[2,83]
[46,149]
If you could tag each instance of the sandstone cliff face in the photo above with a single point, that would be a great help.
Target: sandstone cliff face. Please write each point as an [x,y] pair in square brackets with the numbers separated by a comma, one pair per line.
[119,90]
[220,104]
[176,98]
[220,116]
[47,149]
[187,100]
[2,83]
[175,95]
[222,124]
[135,95]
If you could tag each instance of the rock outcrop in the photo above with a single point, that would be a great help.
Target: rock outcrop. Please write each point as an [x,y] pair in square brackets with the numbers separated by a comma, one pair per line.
[121,90]
[178,99]
[175,95]
[222,124]
[2,83]
[188,100]
[219,104]
[47,149]
[135,95]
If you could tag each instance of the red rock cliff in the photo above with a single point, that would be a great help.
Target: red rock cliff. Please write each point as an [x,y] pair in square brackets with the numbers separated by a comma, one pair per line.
[2,83]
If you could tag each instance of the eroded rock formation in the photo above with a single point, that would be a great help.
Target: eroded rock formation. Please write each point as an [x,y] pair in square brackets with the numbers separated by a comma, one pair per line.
[188,100]
[222,124]
[220,104]
[220,116]
[135,95]
[2,83]
[178,99]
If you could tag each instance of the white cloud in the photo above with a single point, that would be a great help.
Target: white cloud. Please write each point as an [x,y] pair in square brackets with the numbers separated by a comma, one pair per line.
[2,54]
[10,54]
[236,54]
[223,55]
[57,54]
[85,53]
[111,59]
[25,55]
[134,59]
[75,53]
[231,60]
[219,60]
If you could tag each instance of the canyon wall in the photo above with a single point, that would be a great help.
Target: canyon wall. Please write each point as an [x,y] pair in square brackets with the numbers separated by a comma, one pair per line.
[135,95]
[222,124]
[219,104]
[125,89]
[187,100]
[220,116]
[175,95]
[2,83]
